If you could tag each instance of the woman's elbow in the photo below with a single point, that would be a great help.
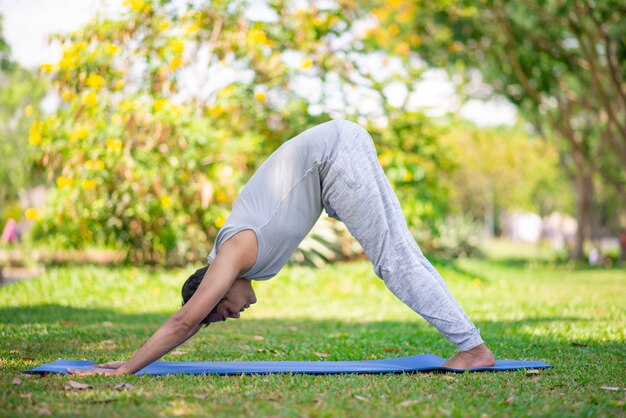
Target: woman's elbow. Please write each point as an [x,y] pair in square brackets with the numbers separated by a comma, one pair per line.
[182,325]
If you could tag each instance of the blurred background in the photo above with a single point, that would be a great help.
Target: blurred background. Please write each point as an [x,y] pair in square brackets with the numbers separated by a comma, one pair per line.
[127,128]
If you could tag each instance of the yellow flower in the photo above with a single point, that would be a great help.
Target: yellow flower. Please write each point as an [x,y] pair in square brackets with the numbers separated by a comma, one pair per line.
[177,46]
[385,158]
[114,144]
[31,213]
[118,85]
[226,91]
[89,184]
[175,62]
[219,221]
[415,39]
[166,201]
[34,136]
[67,61]
[117,119]
[306,63]
[63,181]
[136,5]
[216,110]
[28,111]
[394,29]
[112,49]
[95,81]
[165,25]
[476,282]
[94,164]
[47,68]
[221,197]
[159,104]
[405,16]
[79,133]
[260,96]
[90,99]
[67,95]
[408,176]
[380,14]
[402,49]
[256,36]
[191,28]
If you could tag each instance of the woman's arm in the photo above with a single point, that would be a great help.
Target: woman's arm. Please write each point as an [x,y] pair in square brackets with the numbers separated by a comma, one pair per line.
[232,260]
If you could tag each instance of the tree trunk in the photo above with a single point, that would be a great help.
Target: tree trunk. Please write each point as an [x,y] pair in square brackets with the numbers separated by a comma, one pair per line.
[584,199]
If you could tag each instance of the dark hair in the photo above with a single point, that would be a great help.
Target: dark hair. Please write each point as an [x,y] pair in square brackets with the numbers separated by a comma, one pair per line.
[191,285]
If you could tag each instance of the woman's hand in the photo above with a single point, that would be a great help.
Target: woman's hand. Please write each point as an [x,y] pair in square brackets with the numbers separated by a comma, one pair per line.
[112,365]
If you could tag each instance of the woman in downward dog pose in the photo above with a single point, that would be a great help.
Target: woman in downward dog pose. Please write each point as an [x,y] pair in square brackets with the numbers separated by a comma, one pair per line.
[334,167]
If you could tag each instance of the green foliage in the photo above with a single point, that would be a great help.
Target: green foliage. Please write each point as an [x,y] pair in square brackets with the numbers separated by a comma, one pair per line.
[137,162]
[141,160]
[504,167]
[560,62]
[20,92]
[413,158]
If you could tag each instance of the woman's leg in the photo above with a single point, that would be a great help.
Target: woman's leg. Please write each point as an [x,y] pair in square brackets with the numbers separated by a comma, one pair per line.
[356,190]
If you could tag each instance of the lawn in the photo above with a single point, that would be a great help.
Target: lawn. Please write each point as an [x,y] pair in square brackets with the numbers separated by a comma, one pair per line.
[527,308]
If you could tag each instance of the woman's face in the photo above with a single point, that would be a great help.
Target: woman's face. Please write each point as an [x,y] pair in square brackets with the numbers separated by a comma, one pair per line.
[238,298]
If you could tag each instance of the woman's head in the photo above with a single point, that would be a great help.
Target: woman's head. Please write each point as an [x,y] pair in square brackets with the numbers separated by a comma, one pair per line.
[238,298]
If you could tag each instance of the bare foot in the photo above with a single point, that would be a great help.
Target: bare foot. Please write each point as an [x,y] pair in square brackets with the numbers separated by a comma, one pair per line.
[479,356]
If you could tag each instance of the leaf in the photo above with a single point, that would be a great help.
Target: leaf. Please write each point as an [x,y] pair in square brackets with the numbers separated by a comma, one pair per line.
[108,324]
[74,385]
[178,352]
[321,355]
[27,358]
[510,399]
[293,328]
[449,378]
[44,410]
[610,388]
[361,398]
[409,402]
[17,381]
[532,371]
[391,349]
[201,395]
[577,344]
[123,386]
[258,338]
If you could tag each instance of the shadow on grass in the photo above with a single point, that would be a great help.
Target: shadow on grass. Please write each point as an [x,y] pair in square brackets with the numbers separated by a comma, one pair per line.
[47,332]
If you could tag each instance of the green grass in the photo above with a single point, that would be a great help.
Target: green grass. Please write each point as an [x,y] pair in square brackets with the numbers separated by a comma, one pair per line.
[572,318]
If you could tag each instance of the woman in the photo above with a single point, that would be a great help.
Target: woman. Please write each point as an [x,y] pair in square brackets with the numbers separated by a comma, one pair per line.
[332,166]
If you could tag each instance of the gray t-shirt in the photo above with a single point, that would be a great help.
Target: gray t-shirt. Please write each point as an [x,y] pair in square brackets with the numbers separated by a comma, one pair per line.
[282,200]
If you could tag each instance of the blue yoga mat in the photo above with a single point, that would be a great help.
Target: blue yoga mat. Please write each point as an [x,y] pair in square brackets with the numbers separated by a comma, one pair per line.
[424,362]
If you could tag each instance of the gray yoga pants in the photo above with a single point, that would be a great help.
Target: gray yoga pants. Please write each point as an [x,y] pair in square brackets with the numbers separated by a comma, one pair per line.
[370,209]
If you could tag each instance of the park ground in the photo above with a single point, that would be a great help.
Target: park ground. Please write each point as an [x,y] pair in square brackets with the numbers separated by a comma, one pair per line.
[527,307]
